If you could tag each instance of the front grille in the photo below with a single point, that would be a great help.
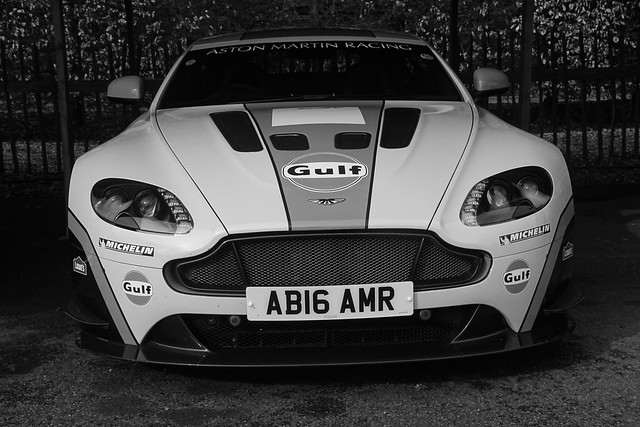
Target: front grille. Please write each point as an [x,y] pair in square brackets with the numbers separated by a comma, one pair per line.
[325,260]
[216,332]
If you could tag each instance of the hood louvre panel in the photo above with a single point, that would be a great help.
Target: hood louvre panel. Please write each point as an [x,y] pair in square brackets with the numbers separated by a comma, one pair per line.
[238,130]
[290,142]
[398,127]
[352,140]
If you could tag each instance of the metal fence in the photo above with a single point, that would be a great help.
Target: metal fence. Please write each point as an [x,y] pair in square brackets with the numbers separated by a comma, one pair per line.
[585,98]
[587,105]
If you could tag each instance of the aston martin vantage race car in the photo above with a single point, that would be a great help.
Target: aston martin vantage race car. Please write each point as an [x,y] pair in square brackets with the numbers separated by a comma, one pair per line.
[316,197]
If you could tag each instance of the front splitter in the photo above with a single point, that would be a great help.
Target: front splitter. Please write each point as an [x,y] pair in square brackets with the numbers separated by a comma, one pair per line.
[547,329]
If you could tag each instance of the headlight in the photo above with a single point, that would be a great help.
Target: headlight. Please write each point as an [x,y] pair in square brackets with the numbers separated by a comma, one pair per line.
[137,206]
[510,195]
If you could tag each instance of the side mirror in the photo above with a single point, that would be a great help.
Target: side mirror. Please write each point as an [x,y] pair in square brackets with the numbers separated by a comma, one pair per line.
[127,89]
[489,81]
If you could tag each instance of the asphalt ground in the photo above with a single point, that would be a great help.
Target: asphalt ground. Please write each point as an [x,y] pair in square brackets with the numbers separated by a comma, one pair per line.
[591,377]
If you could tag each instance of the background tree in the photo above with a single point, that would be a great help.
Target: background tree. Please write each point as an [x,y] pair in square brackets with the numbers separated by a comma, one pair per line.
[97,30]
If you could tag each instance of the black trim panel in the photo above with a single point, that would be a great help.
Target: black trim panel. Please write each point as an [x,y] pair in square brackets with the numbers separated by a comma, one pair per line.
[563,226]
[107,303]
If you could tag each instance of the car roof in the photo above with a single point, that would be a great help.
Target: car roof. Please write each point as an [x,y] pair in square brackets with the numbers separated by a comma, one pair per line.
[306,35]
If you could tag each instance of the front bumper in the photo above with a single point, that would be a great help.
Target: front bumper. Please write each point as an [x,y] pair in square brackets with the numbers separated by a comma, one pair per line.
[448,333]
[448,323]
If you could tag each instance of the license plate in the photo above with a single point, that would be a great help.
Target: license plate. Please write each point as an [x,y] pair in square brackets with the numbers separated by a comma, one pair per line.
[330,302]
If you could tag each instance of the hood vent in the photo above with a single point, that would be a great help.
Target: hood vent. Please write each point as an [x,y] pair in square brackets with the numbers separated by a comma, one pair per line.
[352,140]
[290,142]
[238,130]
[399,126]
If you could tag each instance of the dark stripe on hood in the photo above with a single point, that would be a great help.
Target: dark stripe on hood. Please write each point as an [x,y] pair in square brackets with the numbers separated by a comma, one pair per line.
[326,186]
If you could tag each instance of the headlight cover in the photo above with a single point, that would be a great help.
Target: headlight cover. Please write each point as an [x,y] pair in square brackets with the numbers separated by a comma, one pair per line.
[507,196]
[142,207]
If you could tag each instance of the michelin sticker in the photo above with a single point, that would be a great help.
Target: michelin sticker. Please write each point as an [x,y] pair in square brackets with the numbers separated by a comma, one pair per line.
[137,288]
[517,276]
[324,172]
[126,248]
[519,236]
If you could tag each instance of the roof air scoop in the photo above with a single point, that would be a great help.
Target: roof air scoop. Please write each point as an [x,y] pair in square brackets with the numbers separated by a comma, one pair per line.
[398,127]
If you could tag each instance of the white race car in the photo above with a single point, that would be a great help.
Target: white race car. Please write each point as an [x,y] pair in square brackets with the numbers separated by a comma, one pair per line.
[315,197]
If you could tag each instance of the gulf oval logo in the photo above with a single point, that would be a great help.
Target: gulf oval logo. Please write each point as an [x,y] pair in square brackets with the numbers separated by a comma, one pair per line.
[324,172]
[516,277]
[137,288]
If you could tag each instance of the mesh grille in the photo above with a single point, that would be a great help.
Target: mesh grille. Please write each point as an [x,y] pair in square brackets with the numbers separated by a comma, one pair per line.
[339,260]
[437,263]
[325,260]
[445,324]
[219,270]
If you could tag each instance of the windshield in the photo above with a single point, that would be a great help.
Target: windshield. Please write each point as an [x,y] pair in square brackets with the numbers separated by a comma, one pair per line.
[308,70]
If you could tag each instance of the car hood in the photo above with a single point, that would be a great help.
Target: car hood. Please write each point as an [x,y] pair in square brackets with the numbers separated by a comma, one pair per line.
[320,166]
